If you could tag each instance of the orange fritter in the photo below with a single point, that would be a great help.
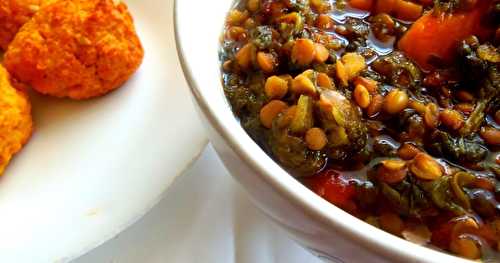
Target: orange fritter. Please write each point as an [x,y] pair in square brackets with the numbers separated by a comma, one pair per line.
[13,14]
[16,123]
[76,48]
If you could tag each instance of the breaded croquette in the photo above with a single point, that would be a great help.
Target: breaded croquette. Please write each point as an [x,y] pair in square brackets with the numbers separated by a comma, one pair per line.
[14,14]
[16,124]
[76,48]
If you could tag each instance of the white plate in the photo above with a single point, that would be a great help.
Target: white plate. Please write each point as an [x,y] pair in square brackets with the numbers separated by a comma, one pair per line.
[93,168]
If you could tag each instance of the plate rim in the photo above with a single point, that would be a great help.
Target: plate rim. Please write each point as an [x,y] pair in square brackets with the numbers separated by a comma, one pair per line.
[141,214]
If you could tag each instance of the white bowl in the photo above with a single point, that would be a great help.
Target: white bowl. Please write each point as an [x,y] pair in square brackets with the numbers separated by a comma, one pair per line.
[316,224]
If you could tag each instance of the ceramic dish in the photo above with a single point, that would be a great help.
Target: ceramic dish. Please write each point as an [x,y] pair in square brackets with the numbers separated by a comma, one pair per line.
[93,168]
[316,224]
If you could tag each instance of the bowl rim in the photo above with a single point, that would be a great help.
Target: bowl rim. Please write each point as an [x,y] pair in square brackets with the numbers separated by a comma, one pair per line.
[357,231]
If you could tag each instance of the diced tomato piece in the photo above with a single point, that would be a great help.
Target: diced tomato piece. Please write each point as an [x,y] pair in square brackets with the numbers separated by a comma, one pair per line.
[441,236]
[337,190]
[362,4]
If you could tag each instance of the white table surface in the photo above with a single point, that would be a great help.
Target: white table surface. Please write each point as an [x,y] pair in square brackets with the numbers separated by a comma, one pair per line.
[204,217]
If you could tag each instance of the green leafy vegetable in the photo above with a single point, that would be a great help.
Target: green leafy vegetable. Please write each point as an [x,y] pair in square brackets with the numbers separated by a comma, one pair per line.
[398,70]
[395,199]
[442,196]
[346,132]
[303,119]
[458,149]
[262,37]
[292,151]
[459,180]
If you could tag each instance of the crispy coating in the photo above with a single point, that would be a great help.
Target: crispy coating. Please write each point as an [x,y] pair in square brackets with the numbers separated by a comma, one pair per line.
[16,124]
[76,48]
[14,14]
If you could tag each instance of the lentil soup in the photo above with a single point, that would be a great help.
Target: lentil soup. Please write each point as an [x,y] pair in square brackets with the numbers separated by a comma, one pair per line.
[388,109]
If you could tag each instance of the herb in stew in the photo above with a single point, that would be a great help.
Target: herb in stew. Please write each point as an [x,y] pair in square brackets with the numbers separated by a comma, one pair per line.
[388,109]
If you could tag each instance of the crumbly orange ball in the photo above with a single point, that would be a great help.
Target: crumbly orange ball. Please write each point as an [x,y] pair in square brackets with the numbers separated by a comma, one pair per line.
[16,123]
[76,48]
[14,14]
